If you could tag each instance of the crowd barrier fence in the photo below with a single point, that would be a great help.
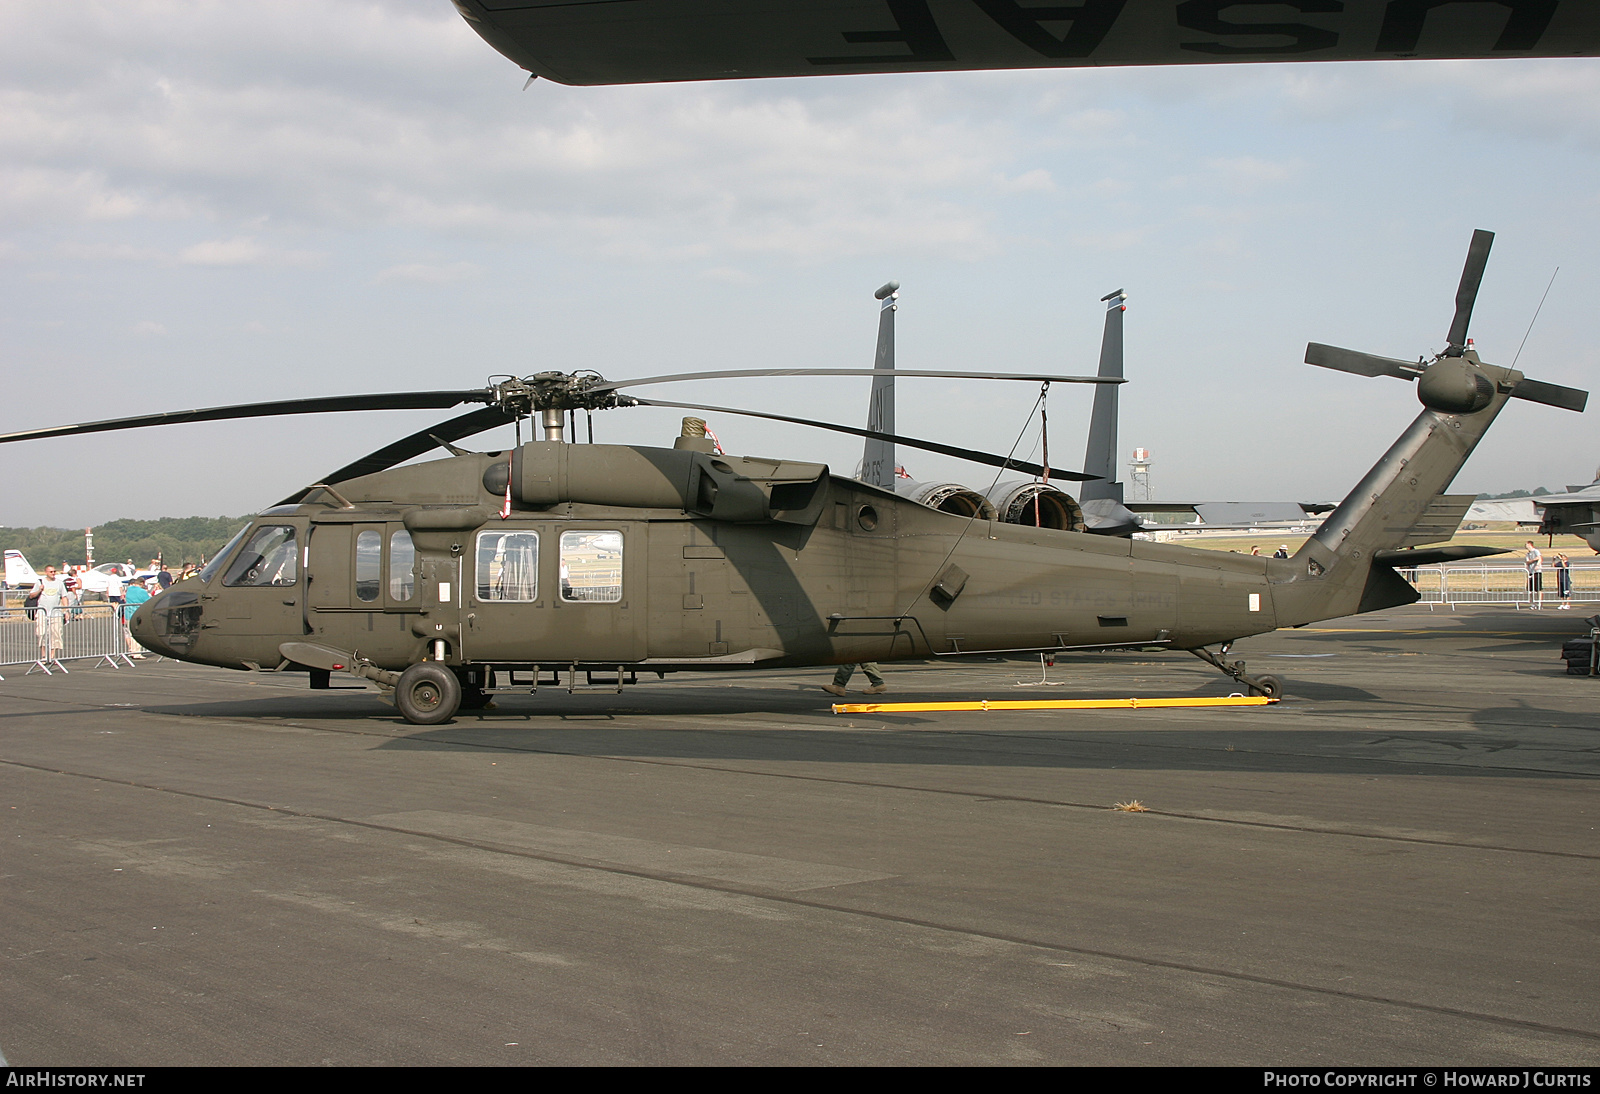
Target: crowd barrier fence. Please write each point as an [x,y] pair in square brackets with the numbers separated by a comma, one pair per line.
[43,640]
[1486,584]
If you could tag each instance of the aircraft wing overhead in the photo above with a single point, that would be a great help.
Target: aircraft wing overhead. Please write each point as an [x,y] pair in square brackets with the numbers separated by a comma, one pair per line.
[650,41]
[1581,494]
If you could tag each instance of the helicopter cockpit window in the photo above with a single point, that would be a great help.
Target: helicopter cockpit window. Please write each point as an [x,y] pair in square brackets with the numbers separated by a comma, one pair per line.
[591,567]
[209,570]
[508,566]
[369,565]
[402,566]
[270,558]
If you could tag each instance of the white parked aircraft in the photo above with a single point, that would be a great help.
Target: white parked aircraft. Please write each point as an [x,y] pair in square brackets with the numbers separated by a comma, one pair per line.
[19,573]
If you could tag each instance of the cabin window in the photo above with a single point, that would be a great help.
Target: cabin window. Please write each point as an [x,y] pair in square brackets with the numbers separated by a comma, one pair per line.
[269,558]
[591,567]
[508,566]
[402,566]
[369,565]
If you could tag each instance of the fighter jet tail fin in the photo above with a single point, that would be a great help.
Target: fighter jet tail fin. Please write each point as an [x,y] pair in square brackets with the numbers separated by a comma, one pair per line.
[1100,457]
[878,456]
[18,572]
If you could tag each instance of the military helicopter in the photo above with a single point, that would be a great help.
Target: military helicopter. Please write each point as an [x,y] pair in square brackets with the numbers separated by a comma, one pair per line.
[450,581]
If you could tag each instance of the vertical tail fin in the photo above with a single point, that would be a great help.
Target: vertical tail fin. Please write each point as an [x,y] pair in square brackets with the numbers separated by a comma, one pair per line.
[1100,458]
[877,457]
[18,572]
[1347,566]
[1336,572]
[1101,499]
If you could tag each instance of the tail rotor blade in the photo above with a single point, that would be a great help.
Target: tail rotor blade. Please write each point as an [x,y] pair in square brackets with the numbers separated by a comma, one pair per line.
[1362,364]
[1537,391]
[1467,293]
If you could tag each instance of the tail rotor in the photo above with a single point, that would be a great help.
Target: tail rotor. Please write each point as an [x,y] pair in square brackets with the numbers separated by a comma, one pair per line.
[1455,381]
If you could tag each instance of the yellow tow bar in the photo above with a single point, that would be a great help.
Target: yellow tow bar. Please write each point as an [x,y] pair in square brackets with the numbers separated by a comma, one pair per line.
[1052,704]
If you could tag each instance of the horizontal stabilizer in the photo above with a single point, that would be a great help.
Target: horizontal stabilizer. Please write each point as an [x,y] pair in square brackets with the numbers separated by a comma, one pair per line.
[1433,556]
[1440,520]
[1537,391]
[1362,364]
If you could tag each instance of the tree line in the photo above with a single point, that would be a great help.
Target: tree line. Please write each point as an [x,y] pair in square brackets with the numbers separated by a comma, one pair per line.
[175,540]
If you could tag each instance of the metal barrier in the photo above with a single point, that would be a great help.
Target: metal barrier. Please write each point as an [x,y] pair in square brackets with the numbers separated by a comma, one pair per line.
[1484,584]
[42,639]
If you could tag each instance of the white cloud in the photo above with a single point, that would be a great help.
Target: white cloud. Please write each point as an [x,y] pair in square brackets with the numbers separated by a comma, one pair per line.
[430,274]
[254,116]
[243,251]
[148,328]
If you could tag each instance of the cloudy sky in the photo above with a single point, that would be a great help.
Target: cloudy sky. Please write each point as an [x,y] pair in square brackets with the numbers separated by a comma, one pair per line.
[208,203]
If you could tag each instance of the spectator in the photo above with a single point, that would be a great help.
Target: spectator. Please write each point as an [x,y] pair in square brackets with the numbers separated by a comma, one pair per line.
[51,593]
[137,594]
[1534,561]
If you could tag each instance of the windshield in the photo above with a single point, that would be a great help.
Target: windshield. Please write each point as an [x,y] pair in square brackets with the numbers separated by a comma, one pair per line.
[209,570]
[269,558]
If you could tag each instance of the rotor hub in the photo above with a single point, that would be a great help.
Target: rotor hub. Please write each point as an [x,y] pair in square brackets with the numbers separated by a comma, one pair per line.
[554,391]
[1455,385]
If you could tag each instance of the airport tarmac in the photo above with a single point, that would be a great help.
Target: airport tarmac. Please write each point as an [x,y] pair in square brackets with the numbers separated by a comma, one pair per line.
[1395,865]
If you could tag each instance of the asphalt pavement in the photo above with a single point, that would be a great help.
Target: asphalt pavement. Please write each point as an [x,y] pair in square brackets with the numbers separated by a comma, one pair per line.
[1395,865]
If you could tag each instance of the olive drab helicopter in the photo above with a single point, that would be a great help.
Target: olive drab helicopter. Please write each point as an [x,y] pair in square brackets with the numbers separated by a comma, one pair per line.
[447,582]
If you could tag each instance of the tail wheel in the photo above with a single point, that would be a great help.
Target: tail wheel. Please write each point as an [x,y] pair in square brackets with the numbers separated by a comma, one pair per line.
[428,694]
[1270,686]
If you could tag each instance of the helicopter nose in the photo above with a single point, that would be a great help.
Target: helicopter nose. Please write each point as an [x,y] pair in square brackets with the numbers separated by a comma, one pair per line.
[167,623]
[142,625]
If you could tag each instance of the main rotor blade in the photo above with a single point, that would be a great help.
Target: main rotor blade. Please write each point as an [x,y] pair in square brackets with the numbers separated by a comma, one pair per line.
[611,385]
[426,440]
[1362,364]
[1537,391]
[401,400]
[1467,292]
[910,442]
[465,425]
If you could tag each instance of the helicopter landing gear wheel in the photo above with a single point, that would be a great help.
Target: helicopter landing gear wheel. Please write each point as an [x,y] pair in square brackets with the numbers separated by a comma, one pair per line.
[1269,686]
[427,694]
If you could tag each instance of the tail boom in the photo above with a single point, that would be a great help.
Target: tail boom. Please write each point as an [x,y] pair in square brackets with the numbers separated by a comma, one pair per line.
[1337,571]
